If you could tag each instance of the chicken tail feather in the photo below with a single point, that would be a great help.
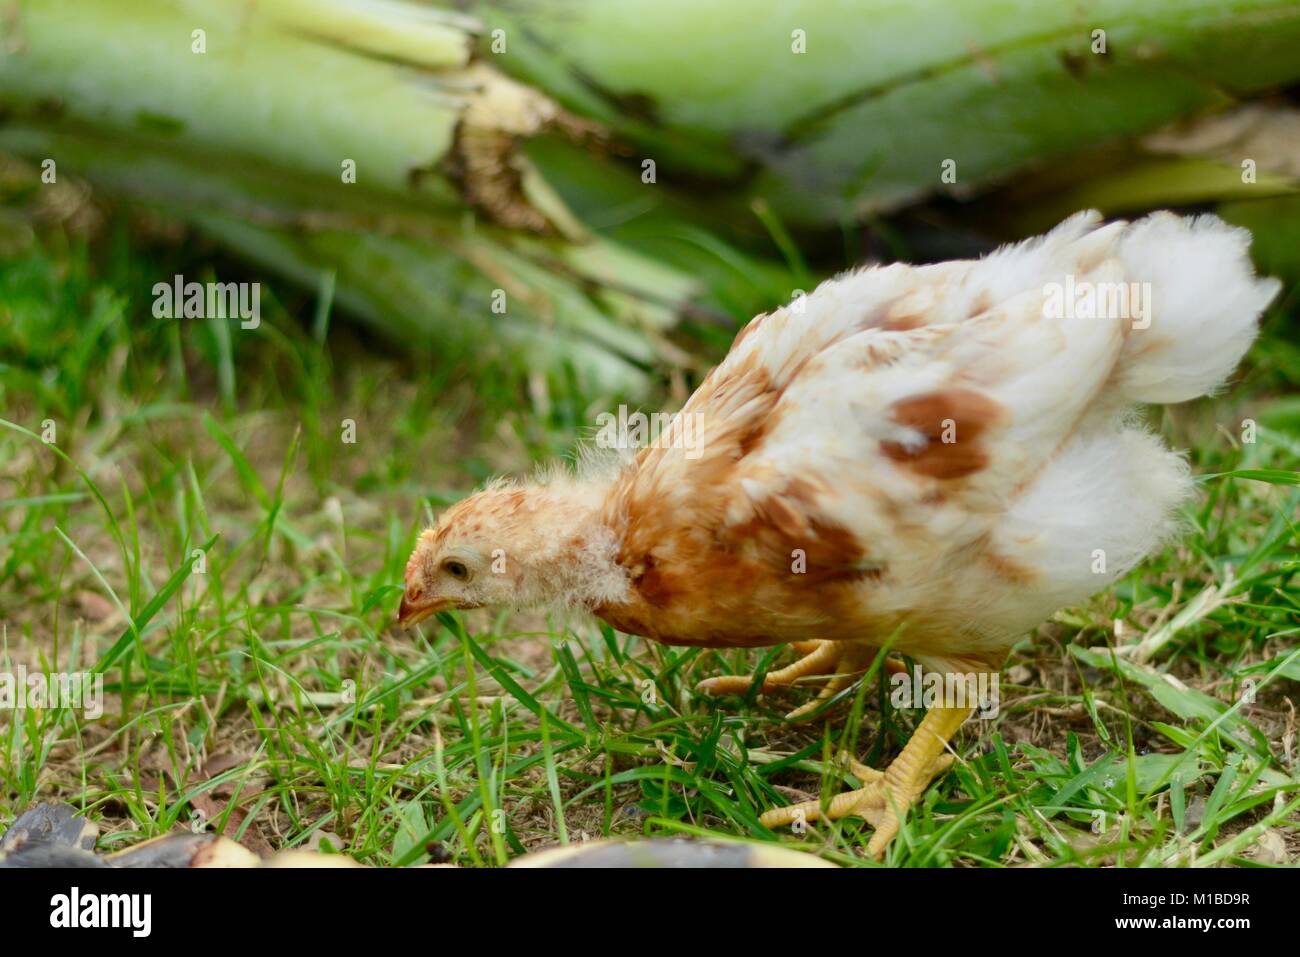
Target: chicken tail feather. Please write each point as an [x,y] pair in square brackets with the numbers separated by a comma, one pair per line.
[1194,302]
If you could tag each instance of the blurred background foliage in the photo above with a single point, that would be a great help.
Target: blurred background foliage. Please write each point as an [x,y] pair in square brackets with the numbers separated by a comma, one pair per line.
[592,195]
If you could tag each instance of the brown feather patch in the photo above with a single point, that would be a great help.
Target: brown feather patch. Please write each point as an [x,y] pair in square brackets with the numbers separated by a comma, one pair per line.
[1009,571]
[964,414]
[903,322]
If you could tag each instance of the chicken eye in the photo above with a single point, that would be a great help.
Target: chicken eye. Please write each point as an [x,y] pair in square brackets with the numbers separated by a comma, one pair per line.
[456,570]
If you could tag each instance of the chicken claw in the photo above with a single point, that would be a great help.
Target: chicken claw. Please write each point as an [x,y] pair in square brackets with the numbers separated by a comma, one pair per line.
[839,661]
[885,796]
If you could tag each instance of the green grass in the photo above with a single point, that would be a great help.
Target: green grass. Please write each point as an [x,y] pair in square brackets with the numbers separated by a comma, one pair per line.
[265,687]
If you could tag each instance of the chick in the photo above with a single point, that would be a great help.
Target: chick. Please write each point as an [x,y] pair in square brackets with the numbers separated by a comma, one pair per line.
[936,458]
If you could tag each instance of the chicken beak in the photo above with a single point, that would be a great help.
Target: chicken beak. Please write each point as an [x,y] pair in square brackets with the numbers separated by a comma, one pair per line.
[411,612]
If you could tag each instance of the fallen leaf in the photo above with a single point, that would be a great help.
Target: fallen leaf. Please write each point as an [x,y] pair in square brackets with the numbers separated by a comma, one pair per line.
[1271,848]
[213,803]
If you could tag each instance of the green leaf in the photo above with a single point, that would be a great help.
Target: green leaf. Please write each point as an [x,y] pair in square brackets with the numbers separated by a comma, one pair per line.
[1272,476]
[155,605]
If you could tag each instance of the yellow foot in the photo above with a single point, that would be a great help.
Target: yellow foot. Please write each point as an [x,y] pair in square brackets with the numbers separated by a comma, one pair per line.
[885,796]
[839,661]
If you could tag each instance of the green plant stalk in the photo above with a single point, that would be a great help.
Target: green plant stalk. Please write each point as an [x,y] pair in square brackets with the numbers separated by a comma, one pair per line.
[261,88]
[883,93]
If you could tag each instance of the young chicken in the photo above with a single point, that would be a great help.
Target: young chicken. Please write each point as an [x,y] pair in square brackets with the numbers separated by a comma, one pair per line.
[936,458]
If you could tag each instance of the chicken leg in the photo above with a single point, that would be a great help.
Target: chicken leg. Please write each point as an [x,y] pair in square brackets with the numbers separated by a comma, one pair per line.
[840,661]
[886,795]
